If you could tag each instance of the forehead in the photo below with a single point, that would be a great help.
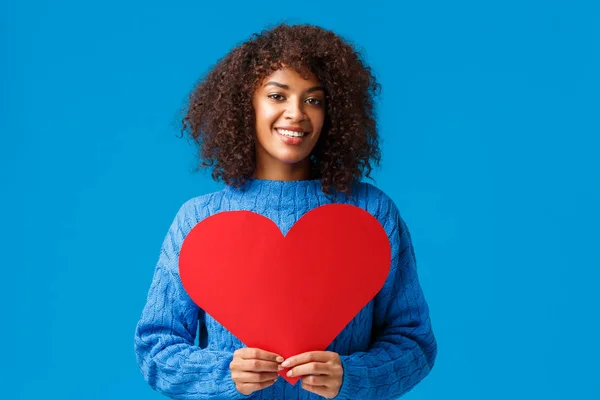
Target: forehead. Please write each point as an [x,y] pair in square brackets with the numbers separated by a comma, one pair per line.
[293,79]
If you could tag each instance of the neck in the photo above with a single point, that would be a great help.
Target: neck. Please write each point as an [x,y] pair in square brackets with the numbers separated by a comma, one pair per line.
[280,171]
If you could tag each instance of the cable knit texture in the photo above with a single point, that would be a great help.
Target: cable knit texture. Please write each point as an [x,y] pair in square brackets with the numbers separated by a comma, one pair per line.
[385,350]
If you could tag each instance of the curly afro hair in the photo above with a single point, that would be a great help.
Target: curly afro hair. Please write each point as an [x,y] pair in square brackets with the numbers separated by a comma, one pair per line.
[221,118]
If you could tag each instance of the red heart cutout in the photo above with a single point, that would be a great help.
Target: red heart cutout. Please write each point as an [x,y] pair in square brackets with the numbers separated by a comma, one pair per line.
[286,294]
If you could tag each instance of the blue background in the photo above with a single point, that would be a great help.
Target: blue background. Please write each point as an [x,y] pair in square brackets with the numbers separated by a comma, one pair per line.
[489,120]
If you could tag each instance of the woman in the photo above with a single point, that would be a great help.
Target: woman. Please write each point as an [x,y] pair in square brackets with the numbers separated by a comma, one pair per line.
[286,120]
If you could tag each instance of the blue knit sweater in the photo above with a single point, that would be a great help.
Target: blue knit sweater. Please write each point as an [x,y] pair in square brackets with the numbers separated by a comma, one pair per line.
[385,350]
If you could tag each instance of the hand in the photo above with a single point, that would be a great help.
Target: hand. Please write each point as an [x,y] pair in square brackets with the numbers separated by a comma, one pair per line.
[254,369]
[321,372]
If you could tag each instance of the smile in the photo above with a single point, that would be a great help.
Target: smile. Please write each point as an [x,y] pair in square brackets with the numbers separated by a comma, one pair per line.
[294,134]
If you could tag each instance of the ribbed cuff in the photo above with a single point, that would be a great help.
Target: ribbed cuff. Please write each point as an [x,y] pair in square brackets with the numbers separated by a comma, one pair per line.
[232,392]
[350,382]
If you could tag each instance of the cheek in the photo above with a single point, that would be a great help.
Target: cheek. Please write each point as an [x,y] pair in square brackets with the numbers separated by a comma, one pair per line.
[265,115]
[318,119]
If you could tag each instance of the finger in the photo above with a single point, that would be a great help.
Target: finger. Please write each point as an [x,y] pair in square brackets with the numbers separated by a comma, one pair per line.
[317,380]
[311,356]
[258,366]
[253,387]
[249,353]
[254,377]
[313,368]
[320,390]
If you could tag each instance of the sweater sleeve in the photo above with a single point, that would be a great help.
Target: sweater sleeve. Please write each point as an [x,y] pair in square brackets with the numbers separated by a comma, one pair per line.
[403,347]
[166,331]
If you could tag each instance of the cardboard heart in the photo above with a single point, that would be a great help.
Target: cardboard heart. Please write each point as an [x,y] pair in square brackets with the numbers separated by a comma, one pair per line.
[286,294]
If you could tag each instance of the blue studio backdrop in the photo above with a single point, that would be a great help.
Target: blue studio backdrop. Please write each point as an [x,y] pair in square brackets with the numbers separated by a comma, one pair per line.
[489,125]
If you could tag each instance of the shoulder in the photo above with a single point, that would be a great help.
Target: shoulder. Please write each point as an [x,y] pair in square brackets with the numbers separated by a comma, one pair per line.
[197,208]
[384,209]
[375,201]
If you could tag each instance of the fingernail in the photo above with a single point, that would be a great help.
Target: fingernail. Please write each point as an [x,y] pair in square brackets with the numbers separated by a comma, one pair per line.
[286,363]
[289,373]
[279,359]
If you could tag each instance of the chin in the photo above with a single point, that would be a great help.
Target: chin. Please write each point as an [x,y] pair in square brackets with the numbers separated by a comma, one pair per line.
[289,156]
[290,159]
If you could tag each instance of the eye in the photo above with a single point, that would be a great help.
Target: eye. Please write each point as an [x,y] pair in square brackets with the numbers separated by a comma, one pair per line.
[315,102]
[275,96]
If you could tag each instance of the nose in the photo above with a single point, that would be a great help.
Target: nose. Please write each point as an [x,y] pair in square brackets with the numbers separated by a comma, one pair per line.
[295,111]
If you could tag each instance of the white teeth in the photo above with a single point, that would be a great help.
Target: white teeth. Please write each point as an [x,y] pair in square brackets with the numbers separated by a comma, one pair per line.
[285,132]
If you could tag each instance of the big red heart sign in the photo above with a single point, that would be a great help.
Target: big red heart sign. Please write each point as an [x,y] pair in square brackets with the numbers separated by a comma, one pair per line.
[286,294]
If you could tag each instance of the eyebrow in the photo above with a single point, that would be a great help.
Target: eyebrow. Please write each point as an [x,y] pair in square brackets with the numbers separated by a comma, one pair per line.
[286,87]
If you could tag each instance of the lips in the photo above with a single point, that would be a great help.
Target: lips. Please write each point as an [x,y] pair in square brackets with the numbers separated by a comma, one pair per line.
[291,128]
[292,134]
[281,131]
[291,140]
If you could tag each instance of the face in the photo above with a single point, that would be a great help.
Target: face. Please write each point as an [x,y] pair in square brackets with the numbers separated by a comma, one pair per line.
[290,112]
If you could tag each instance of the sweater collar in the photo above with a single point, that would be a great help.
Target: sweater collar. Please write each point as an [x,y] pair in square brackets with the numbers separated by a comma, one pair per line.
[282,193]
[279,194]
[268,187]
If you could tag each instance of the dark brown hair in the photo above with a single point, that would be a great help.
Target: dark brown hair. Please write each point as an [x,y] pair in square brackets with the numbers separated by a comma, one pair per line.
[221,118]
